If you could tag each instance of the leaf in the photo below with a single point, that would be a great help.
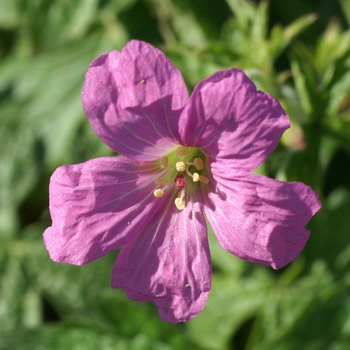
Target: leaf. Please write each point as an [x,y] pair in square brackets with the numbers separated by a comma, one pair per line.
[62,337]
[331,227]
[81,18]
[282,37]
[287,307]
[302,88]
[9,14]
[234,299]
[20,162]
[345,4]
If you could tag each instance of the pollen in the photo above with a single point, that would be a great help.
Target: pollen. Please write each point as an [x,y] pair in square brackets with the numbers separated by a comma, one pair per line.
[181,151]
[161,181]
[180,200]
[164,162]
[195,177]
[180,166]
[158,193]
[198,163]
[181,170]
[180,204]
[203,179]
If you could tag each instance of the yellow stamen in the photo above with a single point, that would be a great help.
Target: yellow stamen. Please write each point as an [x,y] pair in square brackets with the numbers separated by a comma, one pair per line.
[179,204]
[203,179]
[161,181]
[181,151]
[163,162]
[198,163]
[180,201]
[180,166]
[158,193]
[195,177]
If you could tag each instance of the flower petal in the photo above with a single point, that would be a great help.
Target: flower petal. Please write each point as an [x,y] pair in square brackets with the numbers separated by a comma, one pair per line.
[97,206]
[227,118]
[133,100]
[168,263]
[260,219]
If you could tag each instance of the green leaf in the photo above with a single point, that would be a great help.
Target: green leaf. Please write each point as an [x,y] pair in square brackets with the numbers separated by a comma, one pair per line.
[76,338]
[331,227]
[20,163]
[345,4]
[302,88]
[287,308]
[234,299]
[282,37]
[9,14]
[244,12]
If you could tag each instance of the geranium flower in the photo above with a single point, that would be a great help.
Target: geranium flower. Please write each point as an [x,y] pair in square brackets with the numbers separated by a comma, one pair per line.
[185,160]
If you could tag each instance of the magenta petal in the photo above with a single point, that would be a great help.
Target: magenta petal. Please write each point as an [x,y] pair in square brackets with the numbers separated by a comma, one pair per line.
[168,263]
[133,100]
[229,119]
[97,206]
[260,219]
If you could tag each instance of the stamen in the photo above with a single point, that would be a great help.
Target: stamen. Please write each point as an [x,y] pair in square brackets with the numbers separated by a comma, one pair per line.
[181,151]
[180,200]
[180,166]
[161,181]
[187,171]
[203,179]
[164,162]
[195,177]
[198,163]
[179,160]
[158,193]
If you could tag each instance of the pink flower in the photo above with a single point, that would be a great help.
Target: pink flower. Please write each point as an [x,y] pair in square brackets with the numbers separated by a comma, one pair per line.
[185,160]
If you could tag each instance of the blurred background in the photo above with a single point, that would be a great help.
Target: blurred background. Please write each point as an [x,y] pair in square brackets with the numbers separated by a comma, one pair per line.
[298,51]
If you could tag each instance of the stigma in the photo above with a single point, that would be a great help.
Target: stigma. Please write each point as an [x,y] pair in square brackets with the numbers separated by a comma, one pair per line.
[183,170]
[180,181]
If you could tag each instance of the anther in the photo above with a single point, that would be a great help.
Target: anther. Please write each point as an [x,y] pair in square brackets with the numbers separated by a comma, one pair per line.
[180,166]
[195,177]
[198,163]
[203,179]
[180,200]
[163,162]
[158,193]
[181,151]
[161,181]
[179,204]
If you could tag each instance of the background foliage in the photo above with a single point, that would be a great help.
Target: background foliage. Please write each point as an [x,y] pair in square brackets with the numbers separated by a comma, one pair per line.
[299,51]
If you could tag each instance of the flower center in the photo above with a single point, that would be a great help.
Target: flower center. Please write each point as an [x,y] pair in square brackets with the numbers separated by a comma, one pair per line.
[184,168]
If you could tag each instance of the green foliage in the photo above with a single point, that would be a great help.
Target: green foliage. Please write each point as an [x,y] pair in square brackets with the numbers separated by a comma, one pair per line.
[299,55]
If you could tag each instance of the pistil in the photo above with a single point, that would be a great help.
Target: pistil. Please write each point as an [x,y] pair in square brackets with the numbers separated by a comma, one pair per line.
[177,167]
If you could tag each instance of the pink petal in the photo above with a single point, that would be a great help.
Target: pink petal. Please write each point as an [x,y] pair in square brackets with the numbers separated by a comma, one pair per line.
[229,119]
[97,206]
[260,219]
[133,100]
[168,263]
